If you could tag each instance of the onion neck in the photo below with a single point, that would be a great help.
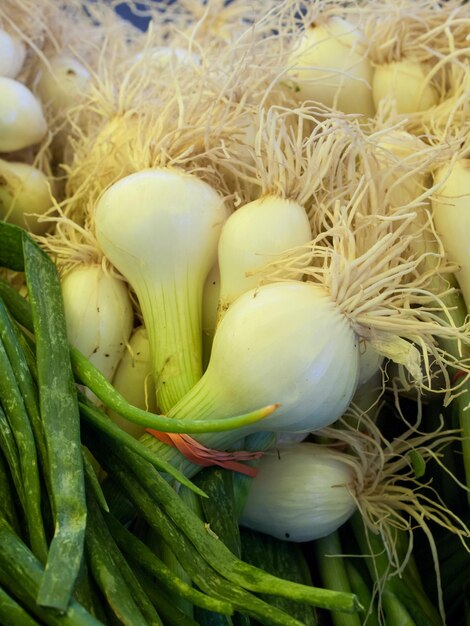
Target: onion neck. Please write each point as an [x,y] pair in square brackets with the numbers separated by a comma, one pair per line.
[172,315]
[202,402]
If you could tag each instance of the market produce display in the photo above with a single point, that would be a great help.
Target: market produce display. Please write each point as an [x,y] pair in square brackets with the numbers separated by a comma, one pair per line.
[234,296]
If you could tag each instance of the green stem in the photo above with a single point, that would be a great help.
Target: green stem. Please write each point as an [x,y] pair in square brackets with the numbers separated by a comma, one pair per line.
[334,575]
[173,321]
[396,613]
[136,551]
[201,572]
[170,613]
[99,420]
[88,375]
[10,451]
[21,574]
[8,507]
[114,575]
[18,418]
[220,557]
[457,310]
[12,614]
[403,587]
[61,425]
[361,588]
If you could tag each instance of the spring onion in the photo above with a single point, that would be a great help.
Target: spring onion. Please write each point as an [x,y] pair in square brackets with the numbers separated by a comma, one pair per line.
[285,507]
[310,339]
[374,476]
[159,228]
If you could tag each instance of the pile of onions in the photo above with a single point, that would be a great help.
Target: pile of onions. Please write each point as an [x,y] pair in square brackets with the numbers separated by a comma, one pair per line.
[263,209]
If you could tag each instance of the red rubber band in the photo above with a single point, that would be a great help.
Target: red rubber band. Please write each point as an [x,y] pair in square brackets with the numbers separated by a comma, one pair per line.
[202,455]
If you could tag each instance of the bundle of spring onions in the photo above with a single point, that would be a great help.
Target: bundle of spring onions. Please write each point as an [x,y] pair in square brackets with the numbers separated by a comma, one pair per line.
[234,336]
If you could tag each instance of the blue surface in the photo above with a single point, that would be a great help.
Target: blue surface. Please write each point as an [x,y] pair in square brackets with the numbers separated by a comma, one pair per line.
[139,21]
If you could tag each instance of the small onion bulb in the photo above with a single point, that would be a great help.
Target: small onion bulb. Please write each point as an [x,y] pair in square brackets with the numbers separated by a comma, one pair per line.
[302,492]
[331,66]
[12,55]
[404,83]
[133,380]
[63,83]
[98,314]
[404,178]
[255,234]
[25,195]
[22,122]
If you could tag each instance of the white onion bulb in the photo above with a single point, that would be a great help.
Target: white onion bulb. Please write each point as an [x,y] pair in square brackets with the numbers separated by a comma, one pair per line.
[160,228]
[302,492]
[22,122]
[25,194]
[451,210]
[255,234]
[98,314]
[12,55]
[284,343]
[331,66]
[63,83]
[404,83]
